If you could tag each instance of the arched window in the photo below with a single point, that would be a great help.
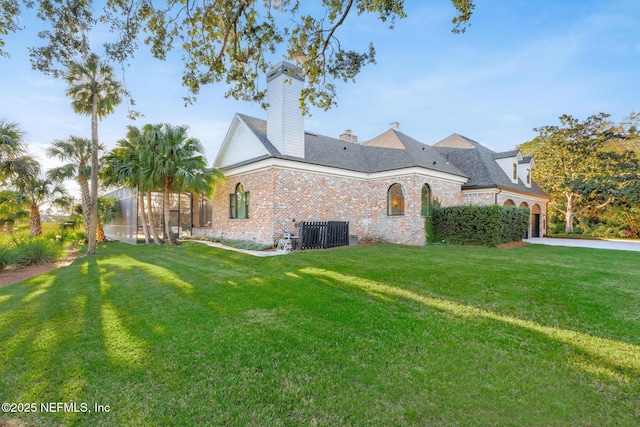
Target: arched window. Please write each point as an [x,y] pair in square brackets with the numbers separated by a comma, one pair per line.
[426,200]
[509,202]
[239,203]
[395,200]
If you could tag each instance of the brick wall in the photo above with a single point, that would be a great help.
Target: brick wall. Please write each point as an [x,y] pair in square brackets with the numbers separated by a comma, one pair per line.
[533,205]
[259,226]
[281,197]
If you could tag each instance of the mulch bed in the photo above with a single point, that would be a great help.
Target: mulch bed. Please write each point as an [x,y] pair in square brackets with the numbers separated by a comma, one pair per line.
[8,277]
[512,245]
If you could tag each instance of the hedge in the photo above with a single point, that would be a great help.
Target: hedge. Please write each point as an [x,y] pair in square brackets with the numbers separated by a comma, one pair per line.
[480,225]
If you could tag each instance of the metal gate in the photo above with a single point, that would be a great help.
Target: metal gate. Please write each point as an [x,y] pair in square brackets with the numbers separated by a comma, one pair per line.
[323,234]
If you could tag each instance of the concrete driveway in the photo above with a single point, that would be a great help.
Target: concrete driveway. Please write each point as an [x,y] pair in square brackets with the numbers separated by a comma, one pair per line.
[620,245]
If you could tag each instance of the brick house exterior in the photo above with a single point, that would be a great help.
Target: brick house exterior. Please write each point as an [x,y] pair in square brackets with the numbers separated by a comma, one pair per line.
[276,175]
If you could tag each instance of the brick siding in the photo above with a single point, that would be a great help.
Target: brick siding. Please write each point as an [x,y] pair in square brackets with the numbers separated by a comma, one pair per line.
[281,197]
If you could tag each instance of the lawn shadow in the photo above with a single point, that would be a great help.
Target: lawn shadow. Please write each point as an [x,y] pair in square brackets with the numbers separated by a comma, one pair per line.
[609,357]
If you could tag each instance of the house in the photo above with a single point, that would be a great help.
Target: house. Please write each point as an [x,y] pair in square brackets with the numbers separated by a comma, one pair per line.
[278,174]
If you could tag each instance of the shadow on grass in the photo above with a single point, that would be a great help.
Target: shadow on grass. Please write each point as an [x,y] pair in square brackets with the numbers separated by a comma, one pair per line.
[64,339]
[178,337]
[609,357]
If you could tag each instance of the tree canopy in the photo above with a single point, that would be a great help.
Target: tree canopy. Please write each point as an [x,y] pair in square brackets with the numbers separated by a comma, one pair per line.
[231,41]
[586,165]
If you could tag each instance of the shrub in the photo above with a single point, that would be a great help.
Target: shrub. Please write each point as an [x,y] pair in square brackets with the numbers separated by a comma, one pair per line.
[38,250]
[238,244]
[8,257]
[66,235]
[480,225]
[558,228]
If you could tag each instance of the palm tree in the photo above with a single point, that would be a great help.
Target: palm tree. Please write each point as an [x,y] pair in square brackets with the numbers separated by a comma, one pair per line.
[94,92]
[14,159]
[124,166]
[36,189]
[177,162]
[108,209]
[76,151]
[11,210]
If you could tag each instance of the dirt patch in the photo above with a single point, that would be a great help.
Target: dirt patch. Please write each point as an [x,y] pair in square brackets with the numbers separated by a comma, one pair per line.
[512,245]
[8,277]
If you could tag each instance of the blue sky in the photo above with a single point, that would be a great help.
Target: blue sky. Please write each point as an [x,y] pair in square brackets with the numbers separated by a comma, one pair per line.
[520,65]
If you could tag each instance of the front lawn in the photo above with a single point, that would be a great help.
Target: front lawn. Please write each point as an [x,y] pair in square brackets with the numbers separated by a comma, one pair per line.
[370,335]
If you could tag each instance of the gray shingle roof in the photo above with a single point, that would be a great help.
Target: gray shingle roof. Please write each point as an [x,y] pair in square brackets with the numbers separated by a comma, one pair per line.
[326,151]
[393,149]
[479,163]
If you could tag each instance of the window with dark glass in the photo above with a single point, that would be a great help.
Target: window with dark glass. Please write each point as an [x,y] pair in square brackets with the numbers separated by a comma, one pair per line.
[395,200]
[239,203]
[515,171]
[426,200]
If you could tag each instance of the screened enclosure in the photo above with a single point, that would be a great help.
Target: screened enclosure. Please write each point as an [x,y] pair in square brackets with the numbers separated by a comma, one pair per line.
[185,212]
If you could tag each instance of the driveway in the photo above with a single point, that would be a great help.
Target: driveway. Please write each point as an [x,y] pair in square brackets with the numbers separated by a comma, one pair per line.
[620,245]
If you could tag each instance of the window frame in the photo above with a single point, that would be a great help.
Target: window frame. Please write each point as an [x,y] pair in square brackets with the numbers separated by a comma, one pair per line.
[239,210]
[425,210]
[398,209]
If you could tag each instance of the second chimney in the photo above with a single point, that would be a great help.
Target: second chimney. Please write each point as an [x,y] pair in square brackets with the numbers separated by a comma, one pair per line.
[348,136]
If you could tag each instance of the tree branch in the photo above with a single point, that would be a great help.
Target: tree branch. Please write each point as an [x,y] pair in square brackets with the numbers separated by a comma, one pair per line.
[600,206]
[333,29]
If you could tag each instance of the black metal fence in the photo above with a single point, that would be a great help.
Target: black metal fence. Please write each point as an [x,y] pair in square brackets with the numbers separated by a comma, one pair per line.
[324,234]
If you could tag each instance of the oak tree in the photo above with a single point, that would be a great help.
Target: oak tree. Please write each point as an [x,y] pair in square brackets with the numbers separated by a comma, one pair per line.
[231,41]
[583,166]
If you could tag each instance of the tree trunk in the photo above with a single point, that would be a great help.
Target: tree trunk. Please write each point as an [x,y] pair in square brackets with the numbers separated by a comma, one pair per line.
[34,220]
[85,200]
[93,207]
[152,222]
[100,237]
[9,225]
[569,214]
[167,212]
[143,217]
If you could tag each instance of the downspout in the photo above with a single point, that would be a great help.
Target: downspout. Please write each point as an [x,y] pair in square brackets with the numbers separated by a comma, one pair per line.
[495,197]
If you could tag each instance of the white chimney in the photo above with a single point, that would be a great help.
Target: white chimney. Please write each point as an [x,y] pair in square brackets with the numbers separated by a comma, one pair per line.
[394,125]
[285,123]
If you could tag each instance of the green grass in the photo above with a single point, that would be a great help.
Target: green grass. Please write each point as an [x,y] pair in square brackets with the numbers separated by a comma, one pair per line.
[371,335]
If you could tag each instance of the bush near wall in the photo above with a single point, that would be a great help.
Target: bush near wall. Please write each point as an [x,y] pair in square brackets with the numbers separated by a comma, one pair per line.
[480,225]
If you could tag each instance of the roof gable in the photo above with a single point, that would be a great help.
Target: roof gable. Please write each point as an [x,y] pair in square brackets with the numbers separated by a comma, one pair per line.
[481,164]
[242,143]
[389,139]
[458,141]
[333,152]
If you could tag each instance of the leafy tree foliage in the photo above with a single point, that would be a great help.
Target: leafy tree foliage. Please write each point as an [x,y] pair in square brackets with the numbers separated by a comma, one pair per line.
[228,41]
[584,166]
